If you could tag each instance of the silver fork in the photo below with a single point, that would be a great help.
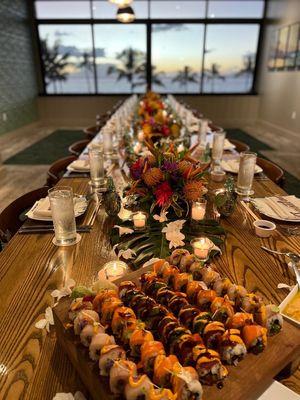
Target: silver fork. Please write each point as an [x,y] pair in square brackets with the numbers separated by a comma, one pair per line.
[293,256]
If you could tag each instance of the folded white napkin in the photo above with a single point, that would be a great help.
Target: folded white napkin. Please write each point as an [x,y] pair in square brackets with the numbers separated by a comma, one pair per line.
[42,207]
[80,164]
[233,166]
[282,207]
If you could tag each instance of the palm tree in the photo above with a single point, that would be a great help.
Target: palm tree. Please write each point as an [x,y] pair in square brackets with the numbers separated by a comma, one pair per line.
[54,63]
[213,74]
[155,76]
[88,65]
[248,69]
[185,76]
[131,63]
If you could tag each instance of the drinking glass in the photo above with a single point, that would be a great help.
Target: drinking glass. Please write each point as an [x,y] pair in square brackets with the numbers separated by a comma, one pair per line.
[202,133]
[246,173]
[96,165]
[63,216]
[217,149]
[107,142]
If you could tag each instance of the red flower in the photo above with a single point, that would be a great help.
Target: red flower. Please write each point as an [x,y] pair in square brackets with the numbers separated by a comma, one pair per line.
[163,193]
[165,130]
[136,169]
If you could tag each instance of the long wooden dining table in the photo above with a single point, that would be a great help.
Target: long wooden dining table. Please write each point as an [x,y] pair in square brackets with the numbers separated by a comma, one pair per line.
[32,363]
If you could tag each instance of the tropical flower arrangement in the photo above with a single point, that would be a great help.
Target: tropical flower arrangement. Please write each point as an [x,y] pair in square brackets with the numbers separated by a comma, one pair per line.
[155,120]
[168,179]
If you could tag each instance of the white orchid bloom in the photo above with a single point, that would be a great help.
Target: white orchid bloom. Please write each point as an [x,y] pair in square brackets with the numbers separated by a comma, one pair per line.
[123,230]
[180,148]
[127,254]
[47,321]
[173,233]
[162,217]
[65,291]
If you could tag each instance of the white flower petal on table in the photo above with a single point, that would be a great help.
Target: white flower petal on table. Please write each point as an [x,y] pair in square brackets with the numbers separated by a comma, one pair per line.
[150,262]
[47,321]
[65,291]
[41,324]
[123,230]
[63,396]
[284,286]
[173,234]
[162,217]
[127,254]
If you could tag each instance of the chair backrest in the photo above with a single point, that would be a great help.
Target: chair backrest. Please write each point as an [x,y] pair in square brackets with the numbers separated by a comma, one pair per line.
[57,169]
[240,146]
[13,216]
[273,171]
[77,148]
[215,128]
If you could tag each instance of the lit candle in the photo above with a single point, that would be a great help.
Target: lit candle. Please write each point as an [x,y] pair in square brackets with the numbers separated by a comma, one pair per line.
[139,219]
[141,136]
[198,210]
[114,270]
[202,247]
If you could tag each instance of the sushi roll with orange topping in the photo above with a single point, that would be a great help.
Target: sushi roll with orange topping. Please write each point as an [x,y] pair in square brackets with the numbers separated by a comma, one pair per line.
[231,347]
[138,338]
[149,351]
[108,355]
[164,295]
[221,309]
[138,388]
[177,302]
[200,322]
[119,375]
[169,274]
[187,315]
[210,276]
[255,338]
[192,290]
[186,261]
[239,320]
[205,298]
[101,297]
[121,318]
[163,369]
[181,281]
[212,334]
[185,383]
[161,394]
[209,366]
[108,308]
[221,286]
[124,287]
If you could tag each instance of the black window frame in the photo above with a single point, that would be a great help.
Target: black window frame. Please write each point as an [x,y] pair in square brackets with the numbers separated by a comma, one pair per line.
[148,23]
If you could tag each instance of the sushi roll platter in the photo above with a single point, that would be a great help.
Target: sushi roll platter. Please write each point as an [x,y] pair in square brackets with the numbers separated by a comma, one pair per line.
[178,331]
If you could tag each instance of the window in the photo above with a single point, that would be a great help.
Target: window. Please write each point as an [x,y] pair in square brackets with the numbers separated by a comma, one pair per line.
[175,70]
[177,46]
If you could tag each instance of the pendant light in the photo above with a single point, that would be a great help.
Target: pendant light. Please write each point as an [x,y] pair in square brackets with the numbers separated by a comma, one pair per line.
[125,14]
[121,3]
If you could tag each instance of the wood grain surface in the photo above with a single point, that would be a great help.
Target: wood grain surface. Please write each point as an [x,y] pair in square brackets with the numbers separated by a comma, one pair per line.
[261,368]
[33,364]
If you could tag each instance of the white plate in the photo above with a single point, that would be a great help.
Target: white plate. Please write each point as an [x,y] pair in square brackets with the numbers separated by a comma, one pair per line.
[234,170]
[274,216]
[80,211]
[286,301]
[73,167]
[277,391]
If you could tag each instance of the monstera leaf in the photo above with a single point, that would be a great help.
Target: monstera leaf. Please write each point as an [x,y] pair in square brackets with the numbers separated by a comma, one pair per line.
[151,242]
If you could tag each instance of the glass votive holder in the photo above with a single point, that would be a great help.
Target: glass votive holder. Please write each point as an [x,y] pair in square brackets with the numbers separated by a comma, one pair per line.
[202,247]
[198,209]
[113,270]
[139,219]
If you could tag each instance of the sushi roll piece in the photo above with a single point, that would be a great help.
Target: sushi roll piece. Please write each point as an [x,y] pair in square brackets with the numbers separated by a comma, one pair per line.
[181,281]
[205,298]
[221,286]
[149,351]
[97,343]
[164,295]
[101,297]
[239,320]
[174,334]
[187,315]
[221,309]
[85,317]
[250,303]
[232,348]
[121,318]
[192,290]
[255,338]
[119,375]
[137,339]
[212,334]
[161,394]
[183,346]
[210,276]
[124,287]
[138,388]
[197,270]
[89,331]
[200,322]
[108,355]
[146,278]
[274,320]
[209,367]
[152,287]
[129,294]
[167,325]
[144,306]
[78,305]
[159,266]
[154,315]
[236,293]
[169,274]
[163,369]
[108,308]
[185,383]
[177,302]
[176,256]
[186,261]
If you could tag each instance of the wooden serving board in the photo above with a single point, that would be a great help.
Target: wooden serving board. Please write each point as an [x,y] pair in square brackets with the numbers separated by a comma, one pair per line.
[245,382]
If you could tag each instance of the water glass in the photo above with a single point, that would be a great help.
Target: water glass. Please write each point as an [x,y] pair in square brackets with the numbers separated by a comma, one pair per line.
[202,132]
[246,173]
[63,216]
[217,149]
[96,165]
[107,142]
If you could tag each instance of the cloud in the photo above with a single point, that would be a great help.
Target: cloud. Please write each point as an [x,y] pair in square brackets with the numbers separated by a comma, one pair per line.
[168,27]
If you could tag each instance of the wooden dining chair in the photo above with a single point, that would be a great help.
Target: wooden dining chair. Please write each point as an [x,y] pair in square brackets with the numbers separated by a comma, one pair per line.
[215,128]
[57,169]
[239,146]
[13,216]
[91,132]
[273,171]
[77,148]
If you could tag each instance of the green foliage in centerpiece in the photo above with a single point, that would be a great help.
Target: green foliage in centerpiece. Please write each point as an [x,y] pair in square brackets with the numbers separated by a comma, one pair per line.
[112,201]
[152,242]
